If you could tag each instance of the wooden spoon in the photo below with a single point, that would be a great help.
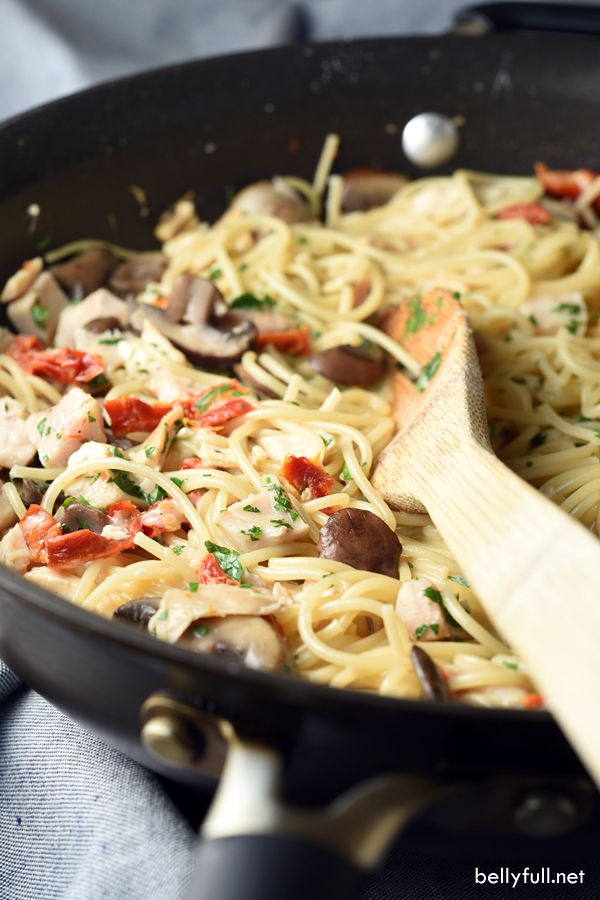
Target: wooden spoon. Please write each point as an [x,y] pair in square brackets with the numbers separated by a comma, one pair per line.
[535,569]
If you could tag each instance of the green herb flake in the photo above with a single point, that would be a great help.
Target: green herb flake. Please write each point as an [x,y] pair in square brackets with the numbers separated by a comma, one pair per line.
[302,239]
[250,301]
[510,665]
[90,417]
[178,482]
[459,580]
[40,426]
[178,549]
[193,586]
[110,341]
[532,319]
[215,273]
[346,475]
[228,560]
[252,509]
[417,316]
[201,630]
[98,382]
[529,463]
[253,533]
[44,242]
[433,594]
[279,523]
[39,314]
[282,501]
[421,630]
[163,614]
[572,308]
[428,371]
[205,401]
[149,451]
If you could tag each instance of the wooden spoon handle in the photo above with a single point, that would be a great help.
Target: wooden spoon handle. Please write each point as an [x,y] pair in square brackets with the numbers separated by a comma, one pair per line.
[538,573]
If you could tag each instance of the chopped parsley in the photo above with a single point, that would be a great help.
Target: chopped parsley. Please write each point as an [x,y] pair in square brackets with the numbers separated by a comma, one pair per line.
[178,482]
[252,509]
[510,665]
[39,314]
[428,371]
[250,301]
[163,614]
[421,630]
[178,550]
[253,533]
[459,580]
[44,242]
[154,496]
[282,501]
[417,316]
[149,451]
[193,586]
[571,308]
[532,319]
[581,418]
[110,340]
[433,594]
[41,426]
[279,523]
[228,560]
[125,482]
[302,239]
[90,417]
[215,273]
[201,630]
[98,381]
[539,439]
[346,476]
[204,402]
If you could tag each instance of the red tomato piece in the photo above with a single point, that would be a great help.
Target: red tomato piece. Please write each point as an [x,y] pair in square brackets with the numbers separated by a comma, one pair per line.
[192,462]
[129,414]
[71,550]
[295,341]
[534,213]
[231,409]
[533,701]
[565,182]
[210,572]
[37,525]
[125,514]
[309,478]
[63,365]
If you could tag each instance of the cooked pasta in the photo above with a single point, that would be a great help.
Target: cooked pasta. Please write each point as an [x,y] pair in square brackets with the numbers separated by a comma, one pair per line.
[205,501]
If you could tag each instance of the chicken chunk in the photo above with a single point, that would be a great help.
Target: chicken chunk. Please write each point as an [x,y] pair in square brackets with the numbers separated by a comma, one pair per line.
[155,448]
[61,430]
[98,305]
[420,606]
[16,446]
[262,520]
[14,551]
[37,311]
[97,489]
[549,314]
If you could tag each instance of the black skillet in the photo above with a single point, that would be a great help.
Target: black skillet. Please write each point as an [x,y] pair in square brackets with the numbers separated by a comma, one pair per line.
[212,126]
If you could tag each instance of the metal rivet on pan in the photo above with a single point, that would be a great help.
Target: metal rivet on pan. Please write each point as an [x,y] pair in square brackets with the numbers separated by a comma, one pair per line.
[546,814]
[430,139]
[167,738]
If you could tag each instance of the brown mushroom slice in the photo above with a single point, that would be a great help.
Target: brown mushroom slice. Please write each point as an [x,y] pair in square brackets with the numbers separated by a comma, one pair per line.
[192,323]
[430,678]
[368,188]
[360,366]
[103,324]
[250,640]
[37,312]
[265,198]
[76,516]
[85,272]
[362,540]
[132,276]
[137,612]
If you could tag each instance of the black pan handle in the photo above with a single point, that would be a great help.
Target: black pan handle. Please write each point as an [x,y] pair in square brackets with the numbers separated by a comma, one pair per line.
[562,18]
[272,867]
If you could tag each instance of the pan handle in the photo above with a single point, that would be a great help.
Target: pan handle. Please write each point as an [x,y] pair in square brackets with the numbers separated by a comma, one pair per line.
[255,847]
[562,18]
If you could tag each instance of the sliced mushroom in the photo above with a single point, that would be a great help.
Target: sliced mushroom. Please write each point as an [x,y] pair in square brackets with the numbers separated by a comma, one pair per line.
[37,311]
[361,366]
[122,443]
[79,516]
[430,678]
[102,324]
[192,322]
[368,188]
[362,540]
[132,276]
[250,640]
[137,612]
[31,491]
[85,272]
[265,198]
